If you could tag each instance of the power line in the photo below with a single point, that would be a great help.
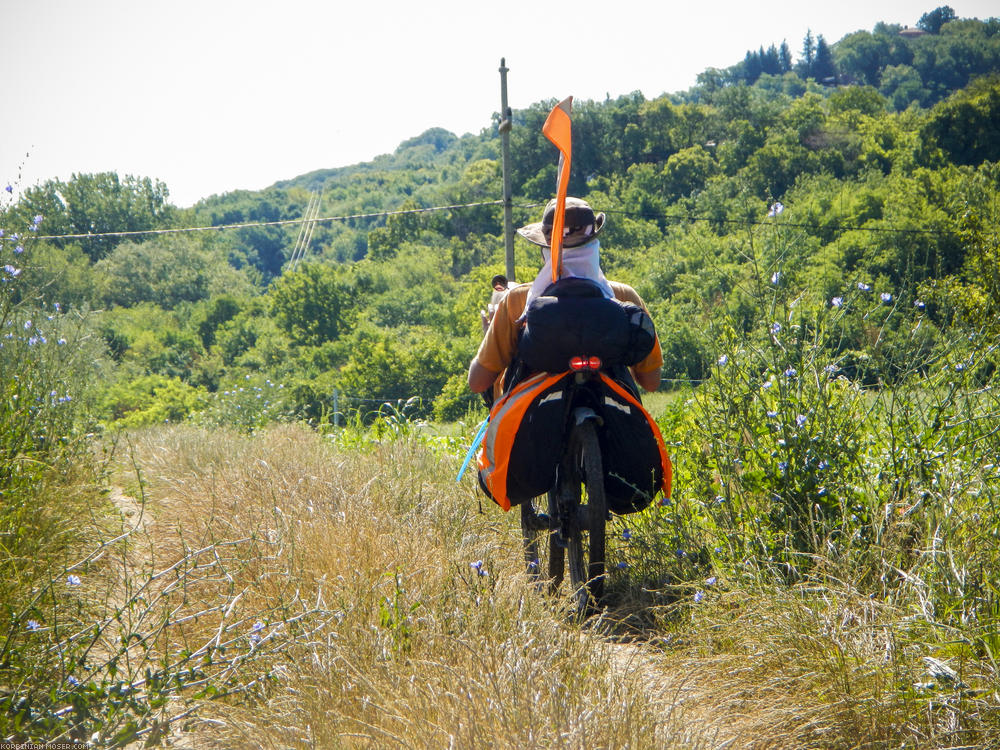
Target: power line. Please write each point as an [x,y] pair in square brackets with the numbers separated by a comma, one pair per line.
[248,224]
[306,228]
[682,218]
[306,220]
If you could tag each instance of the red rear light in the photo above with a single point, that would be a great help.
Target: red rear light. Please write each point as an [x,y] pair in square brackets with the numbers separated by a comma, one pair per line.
[578,364]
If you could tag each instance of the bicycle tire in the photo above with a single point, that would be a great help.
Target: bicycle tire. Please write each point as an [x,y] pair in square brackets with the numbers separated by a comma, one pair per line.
[587,570]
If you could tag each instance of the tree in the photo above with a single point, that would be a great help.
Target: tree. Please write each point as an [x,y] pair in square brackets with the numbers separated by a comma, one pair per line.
[808,55]
[687,171]
[166,271]
[933,21]
[97,204]
[784,57]
[966,127]
[823,68]
[309,304]
[902,85]
[861,56]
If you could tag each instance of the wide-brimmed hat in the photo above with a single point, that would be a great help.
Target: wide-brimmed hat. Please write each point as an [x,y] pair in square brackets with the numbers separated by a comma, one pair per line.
[580,227]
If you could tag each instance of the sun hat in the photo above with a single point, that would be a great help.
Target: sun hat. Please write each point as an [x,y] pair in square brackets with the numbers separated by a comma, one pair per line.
[580,227]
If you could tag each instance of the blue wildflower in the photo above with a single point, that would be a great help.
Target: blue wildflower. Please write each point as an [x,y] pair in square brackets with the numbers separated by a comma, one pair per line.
[919,304]
[478,567]
[698,596]
[723,360]
[822,465]
[622,565]
[711,581]
[800,420]
[772,414]
[15,272]
[37,220]
[27,325]
[783,466]
[18,250]
[626,534]
[767,384]
[776,208]
[830,369]
[864,287]
[791,372]
[775,327]
[680,553]
[72,681]
[32,625]
[73,580]
[885,297]
[9,188]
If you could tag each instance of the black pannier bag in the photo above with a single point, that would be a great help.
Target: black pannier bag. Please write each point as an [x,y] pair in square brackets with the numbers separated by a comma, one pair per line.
[635,461]
[574,318]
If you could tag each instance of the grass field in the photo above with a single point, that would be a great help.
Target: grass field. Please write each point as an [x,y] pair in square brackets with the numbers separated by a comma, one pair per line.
[294,590]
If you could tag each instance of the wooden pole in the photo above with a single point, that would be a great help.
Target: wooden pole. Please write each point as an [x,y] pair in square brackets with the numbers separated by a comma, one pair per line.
[508,219]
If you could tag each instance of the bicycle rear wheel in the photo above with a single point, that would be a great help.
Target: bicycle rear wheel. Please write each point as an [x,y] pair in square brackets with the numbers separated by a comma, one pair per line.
[587,570]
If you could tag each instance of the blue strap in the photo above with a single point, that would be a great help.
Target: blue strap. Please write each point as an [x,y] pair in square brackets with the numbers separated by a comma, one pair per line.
[472,450]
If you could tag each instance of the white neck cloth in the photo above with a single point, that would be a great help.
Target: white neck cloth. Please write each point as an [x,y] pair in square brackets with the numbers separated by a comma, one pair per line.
[582,262]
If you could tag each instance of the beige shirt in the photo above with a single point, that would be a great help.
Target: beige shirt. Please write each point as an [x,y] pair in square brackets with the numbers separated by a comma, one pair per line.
[499,345]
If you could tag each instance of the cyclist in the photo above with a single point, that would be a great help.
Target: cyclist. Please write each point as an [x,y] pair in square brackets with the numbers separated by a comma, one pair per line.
[581,259]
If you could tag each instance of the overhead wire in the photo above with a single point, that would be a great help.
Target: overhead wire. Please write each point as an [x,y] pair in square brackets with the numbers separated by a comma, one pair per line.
[250,224]
[308,221]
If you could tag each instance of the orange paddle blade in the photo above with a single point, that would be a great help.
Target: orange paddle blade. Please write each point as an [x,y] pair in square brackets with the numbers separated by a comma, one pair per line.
[559,130]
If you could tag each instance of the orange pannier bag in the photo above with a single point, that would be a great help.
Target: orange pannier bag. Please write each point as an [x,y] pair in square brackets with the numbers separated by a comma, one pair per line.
[525,437]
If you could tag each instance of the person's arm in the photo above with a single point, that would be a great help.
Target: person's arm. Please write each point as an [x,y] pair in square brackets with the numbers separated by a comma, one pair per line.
[497,348]
[481,378]
[649,380]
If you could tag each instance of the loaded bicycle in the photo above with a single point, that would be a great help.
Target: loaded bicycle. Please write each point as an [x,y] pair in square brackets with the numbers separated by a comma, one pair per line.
[573,523]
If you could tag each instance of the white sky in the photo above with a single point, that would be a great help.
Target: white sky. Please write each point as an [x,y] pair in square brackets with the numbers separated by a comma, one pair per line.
[217,95]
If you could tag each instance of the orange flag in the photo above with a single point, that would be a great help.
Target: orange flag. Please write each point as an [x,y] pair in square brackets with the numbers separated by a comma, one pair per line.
[557,128]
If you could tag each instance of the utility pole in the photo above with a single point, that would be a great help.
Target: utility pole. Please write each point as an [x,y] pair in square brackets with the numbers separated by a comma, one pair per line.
[508,219]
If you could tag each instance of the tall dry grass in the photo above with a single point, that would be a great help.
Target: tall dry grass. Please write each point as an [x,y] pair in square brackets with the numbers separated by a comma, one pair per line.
[401,642]
[290,590]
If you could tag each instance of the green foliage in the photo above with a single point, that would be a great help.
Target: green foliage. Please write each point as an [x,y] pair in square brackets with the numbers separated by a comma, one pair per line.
[94,204]
[932,21]
[149,400]
[166,271]
[247,405]
[310,304]
[966,127]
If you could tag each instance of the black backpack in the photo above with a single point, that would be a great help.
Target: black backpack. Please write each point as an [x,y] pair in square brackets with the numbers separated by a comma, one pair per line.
[573,318]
